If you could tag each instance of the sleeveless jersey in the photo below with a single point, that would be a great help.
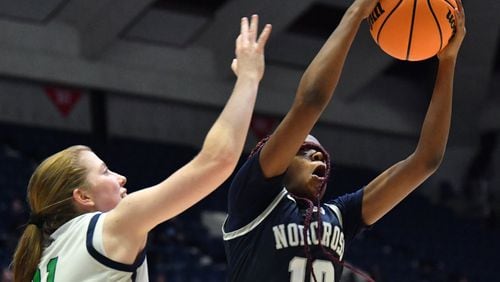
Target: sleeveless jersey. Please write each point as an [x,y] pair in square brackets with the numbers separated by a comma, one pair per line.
[76,253]
[263,233]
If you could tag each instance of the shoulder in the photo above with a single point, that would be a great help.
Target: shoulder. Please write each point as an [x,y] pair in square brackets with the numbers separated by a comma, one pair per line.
[347,198]
[77,223]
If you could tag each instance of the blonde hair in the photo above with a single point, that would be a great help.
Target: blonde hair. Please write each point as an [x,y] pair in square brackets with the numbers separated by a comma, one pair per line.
[50,191]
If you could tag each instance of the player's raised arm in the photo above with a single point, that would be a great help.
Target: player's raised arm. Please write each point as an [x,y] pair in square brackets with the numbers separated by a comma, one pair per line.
[314,92]
[139,212]
[394,184]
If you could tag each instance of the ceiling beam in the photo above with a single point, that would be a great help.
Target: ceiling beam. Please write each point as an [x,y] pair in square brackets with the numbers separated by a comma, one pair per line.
[101,23]
[221,34]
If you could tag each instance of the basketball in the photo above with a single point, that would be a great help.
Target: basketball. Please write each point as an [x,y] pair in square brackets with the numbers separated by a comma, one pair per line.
[412,30]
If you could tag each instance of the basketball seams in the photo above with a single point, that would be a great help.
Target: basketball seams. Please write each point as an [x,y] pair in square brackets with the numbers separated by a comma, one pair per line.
[451,4]
[386,19]
[437,24]
[412,30]
[413,12]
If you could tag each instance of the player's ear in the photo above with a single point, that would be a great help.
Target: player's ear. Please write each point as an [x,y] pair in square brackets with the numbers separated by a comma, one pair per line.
[82,199]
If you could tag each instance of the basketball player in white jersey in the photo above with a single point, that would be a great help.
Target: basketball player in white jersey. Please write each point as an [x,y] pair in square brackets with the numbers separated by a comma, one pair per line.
[84,227]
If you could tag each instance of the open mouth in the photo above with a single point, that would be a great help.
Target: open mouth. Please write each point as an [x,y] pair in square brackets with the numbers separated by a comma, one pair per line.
[320,171]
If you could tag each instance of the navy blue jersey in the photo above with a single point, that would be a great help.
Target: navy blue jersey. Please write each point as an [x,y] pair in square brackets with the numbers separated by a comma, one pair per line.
[263,233]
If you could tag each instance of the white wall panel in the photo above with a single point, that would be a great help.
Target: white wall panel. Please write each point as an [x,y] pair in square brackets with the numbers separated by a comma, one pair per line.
[27,103]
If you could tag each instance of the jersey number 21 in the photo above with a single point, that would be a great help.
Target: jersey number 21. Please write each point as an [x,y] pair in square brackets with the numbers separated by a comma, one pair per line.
[51,271]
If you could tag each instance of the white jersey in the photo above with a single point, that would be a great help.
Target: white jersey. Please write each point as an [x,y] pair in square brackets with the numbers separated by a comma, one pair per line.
[77,254]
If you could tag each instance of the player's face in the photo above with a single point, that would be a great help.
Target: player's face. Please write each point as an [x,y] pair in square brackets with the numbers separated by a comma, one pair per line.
[106,187]
[306,173]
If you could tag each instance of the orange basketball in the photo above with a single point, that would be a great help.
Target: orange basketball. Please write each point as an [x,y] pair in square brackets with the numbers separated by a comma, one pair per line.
[412,30]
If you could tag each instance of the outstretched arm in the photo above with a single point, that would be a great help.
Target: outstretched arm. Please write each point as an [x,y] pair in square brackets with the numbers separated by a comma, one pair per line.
[141,211]
[394,184]
[314,92]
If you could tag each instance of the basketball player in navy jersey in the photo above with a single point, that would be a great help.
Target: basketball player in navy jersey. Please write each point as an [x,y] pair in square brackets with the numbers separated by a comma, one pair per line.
[278,226]
[83,225]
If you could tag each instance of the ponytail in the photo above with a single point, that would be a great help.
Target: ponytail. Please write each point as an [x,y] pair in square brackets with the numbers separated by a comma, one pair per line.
[50,199]
[27,254]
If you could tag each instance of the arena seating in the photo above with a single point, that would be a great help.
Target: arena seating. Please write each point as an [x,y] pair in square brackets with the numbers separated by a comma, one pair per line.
[418,241]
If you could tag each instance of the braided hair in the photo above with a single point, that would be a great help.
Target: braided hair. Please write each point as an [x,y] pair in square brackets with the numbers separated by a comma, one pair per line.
[312,206]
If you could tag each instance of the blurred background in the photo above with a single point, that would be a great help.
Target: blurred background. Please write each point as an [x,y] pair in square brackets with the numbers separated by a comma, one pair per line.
[141,81]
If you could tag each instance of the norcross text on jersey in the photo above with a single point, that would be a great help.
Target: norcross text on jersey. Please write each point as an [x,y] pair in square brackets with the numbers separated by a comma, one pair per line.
[292,235]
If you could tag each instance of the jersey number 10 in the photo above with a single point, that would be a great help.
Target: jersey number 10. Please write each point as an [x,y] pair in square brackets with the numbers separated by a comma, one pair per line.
[323,270]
